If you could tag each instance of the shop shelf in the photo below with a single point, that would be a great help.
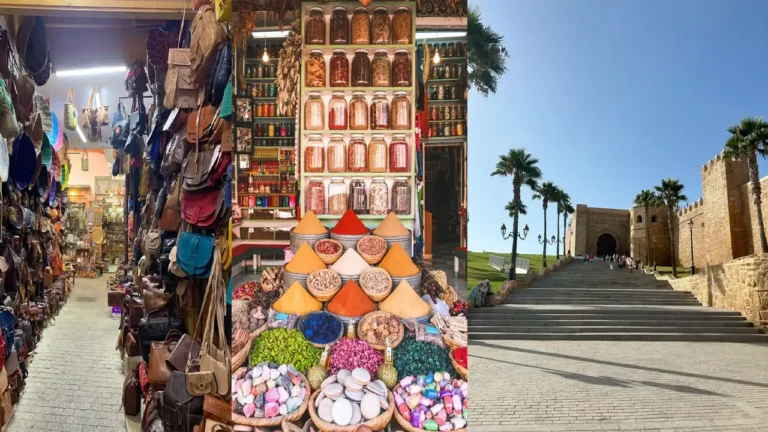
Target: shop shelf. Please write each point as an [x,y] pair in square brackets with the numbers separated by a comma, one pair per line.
[458,138]
[351,90]
[264,194]
[262,99]
[455,101]
[261,80]
[259,60]
[364,217]
[359,132]
[444,80]
[447,121]
[364,174]
[267,208]
[271,119]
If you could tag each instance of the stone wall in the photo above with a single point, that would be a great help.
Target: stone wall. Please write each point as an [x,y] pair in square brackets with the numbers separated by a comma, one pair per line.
[730,285]
[589,223]
[659,235]
[695,213]
[749,218]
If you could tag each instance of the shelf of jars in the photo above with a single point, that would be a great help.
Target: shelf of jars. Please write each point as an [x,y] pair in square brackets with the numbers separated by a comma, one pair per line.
[446,93]
[357,137]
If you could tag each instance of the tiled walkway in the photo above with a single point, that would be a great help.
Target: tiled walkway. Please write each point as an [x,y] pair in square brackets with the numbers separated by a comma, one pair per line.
[75,380]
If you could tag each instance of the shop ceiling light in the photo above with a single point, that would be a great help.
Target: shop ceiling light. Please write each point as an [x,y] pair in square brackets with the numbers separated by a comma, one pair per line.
[91,71]
[273,34]
[441,35]
[81,134]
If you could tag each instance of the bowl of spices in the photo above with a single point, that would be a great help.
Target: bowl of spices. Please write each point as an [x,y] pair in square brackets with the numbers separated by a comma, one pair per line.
[350,303]
[372,248]
[323,284]
[328,250]
[393,231]
[304,262]
[309,230]
[377,326]
[320,328]
[400,266]
[349,230]
[376,283]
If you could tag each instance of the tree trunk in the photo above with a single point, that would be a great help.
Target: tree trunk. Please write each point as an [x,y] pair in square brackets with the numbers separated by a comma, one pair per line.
[670,213]
[565,232]
[515,220]
[557,248]
[544,252]
[647,235]
[754,178]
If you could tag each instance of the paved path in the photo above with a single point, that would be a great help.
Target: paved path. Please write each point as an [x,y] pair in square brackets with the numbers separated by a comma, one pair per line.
[548,386]
[75,380]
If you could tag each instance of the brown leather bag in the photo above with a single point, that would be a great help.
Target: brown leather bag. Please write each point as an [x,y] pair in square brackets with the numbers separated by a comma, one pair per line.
[6,408]
[174,154]
[184,348]
[180,89]
[152,293]
[200,124]
[198,167]
[180,410]
[115,298]
[158,354]
[132,394]
[207,37]
[170,219]
[216,409]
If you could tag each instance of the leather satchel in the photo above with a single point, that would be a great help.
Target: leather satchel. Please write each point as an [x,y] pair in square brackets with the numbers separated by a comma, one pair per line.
[159,353]
[131,394]
[180,410]
[200,170]
[202,209]
[174,154]
[186,346]
[222,69]
[200,124]
[207,36]
[153,242]
[170,218]
[194,254]
[154,328]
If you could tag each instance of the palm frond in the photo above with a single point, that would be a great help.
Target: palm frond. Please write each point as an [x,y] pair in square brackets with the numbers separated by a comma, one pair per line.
[486,55]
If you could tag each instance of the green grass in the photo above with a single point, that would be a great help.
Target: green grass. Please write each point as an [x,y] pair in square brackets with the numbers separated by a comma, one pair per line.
[667,270]
[478,268]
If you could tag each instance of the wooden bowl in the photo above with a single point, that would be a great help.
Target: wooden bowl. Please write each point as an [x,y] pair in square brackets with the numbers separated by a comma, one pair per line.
[300,327]
[372,259]
[323,296]
[275,421]
[377,424]
[329,259]
[461,370]
[381,347]
[405,424]
[376,296]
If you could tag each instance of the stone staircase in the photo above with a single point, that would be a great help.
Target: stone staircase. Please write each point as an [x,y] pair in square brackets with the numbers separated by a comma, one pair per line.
[592,302]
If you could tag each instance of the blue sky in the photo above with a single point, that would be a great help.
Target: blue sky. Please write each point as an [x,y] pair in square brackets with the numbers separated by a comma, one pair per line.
[611,96]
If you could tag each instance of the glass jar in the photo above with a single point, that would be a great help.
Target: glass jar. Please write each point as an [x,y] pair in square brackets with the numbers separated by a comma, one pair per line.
[314,155]
[377,154]
[339,69]
[314,112]
[337,196]
[358,112]
[358,198]
[339,26]
[399,156]
[337,155]
[401,196]
[380,27]
[315,201]
[337,112]
[357,154]
[361,69]
[361,27]
[402,27]
[314,31]
[316,69]
[401,112]
[379,111]
[382,69]
[401,69]
[378,197]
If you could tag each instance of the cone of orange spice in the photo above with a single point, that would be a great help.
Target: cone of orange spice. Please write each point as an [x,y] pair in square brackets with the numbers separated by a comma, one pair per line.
[350,302]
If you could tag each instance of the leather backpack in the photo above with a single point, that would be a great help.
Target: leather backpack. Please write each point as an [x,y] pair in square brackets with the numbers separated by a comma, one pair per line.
[180,411]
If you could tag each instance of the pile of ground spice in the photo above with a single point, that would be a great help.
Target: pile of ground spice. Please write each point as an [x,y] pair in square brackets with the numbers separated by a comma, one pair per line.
[350,224]
[398,263]
[351,301]
[405,303]
[305,261]
[391,227]
[296,300]
[310,225]
[350,264]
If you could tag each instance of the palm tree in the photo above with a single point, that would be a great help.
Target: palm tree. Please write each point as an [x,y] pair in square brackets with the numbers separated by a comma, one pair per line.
[561,199]
[749,139]
[486,55]
[546,192]
[670,193]
[567,209]
[523,169]
[647,199]
[510,207]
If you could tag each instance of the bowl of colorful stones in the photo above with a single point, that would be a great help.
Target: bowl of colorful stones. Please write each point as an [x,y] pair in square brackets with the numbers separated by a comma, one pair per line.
[320,328]
[267,394]
[433,402]
[350,399]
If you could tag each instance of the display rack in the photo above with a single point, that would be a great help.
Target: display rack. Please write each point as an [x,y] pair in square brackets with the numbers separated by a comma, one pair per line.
[326,92]
[446,97]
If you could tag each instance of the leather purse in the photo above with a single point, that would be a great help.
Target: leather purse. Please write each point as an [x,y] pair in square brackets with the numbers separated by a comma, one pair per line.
[159,353]
[153,328]
[222,70]
[185,347]
[216,409]
[174,154]
[7,324]
[153,242]
[180,410]
[202,209]
[194,254]
[135,312]
[207,36]
[131,394]
[200,124]
[170,218]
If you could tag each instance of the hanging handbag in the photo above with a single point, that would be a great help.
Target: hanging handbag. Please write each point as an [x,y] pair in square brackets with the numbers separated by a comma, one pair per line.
[6,408]
[200,124]
[152,293]
[202,209]
[223,10]
[200,170]
[170,218]
[103,111]
[180,90]
[138,117]
[207,36]
[84,160]
[189,291]
[153,328]
[222,70]
[90,119]
[216,409]
[186,346]
[132,394]
[9,127]
[158,354]
[180,410]
[70,111]
[174,154]
[194,254]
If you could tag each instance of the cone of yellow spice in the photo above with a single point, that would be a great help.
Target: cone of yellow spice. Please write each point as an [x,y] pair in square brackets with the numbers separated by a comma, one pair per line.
[397,262]
[310,225]
[296,300]
[305,261]
[391,227]
[405,303]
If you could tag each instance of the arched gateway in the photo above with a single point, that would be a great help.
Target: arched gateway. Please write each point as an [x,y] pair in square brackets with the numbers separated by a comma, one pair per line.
[606,244]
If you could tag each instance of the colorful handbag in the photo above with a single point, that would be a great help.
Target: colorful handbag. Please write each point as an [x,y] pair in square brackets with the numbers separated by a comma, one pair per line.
[194,254]
[70,111]
[202,209]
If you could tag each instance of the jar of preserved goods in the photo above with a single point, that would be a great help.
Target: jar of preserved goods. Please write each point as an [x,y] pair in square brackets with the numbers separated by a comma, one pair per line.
[316,69]
[401,196]
[399,156]
[339,69]
[401,112]
[402,27]
[314,155]
[357,154]
[337,155]
[378,197]
[361,27]
[339,26]
[315,196]
[337,196]
[361,69]
[358,112]
[401,69]
[451,51]
[379,111]
[380,27]
[315,29]
[382,69]
[377,154]
[358,198]
[314,112]
[337,112]
[460,129]
[447,129]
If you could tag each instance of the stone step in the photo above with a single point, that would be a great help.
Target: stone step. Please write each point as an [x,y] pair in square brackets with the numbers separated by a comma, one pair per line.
[620,311]
[548,293]
[663,337]
[610,329]
[480,323]
[597,302]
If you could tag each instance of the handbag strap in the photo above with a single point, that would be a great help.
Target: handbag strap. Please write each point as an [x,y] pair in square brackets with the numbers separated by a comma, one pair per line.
[183,19]
[90,99]
[71,96]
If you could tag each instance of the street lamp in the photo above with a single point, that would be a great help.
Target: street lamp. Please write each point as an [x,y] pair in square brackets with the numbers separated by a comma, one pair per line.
[690,228]
[550,241]
[513,236]
[654,254]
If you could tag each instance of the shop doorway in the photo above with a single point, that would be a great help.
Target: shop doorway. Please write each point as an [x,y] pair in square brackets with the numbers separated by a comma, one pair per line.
[606,245]
[444,179]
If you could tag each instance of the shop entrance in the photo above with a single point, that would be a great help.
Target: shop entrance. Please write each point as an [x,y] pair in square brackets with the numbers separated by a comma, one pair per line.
[606,245]
[444,174]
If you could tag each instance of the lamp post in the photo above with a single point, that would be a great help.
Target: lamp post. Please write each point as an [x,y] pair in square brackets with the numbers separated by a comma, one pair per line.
[690,229]
[654,254]
[543,255]
[512,235]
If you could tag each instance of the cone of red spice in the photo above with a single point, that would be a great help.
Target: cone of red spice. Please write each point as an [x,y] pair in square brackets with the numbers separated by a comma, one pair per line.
[350,224]
[460,355]
[351,301]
